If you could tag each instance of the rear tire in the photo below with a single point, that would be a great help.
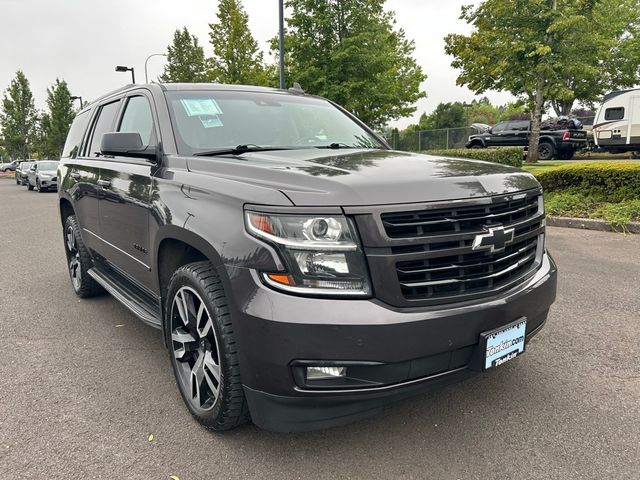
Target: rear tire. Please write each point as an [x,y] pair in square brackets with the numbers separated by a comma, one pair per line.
[79,261]
[546,151]
[203,349]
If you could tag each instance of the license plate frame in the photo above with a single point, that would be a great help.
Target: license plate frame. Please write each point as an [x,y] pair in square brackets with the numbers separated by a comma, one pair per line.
[503,343]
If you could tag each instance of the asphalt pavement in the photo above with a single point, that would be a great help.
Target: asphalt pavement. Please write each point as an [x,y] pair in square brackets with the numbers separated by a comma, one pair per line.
[83,385]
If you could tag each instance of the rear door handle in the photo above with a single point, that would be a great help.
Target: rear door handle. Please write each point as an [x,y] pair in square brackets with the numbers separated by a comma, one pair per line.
[75,175]
[104,183]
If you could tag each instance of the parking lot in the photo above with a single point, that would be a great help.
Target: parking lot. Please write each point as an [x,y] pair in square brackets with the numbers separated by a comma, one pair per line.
[84,384]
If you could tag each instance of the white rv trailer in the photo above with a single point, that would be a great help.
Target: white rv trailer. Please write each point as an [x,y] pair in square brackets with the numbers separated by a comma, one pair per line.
[617,124]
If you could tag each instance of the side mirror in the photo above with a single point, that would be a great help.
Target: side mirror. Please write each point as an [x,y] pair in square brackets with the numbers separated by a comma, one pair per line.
[127,144]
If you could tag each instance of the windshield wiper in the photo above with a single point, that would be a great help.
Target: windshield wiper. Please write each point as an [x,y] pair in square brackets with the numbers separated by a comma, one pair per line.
[240,149]
[336,146]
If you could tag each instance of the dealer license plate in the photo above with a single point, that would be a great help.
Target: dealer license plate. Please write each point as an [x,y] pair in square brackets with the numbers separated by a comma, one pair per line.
[504,343]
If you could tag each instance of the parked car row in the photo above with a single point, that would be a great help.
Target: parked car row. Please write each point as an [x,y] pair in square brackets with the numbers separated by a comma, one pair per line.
[40,175]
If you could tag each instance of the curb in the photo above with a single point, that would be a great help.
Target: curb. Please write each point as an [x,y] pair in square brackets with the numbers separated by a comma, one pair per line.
[591,224]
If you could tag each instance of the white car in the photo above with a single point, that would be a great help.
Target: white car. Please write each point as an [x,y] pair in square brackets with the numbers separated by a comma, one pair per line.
[42,176]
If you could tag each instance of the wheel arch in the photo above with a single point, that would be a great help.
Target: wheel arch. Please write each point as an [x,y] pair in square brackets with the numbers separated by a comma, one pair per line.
[66,209]
[548,139]
[176,247]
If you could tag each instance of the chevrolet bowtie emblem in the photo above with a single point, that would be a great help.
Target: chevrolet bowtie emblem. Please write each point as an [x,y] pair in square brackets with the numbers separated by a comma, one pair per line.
[494,240]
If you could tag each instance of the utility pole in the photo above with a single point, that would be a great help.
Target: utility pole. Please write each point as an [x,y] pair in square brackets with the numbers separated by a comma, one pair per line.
[281,43]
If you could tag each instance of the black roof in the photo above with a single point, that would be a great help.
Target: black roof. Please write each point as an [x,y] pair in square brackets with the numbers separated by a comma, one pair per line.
[192,87]
[617,93]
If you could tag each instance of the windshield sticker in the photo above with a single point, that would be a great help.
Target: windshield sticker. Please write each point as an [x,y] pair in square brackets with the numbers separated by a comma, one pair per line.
[200,106]
[211,122]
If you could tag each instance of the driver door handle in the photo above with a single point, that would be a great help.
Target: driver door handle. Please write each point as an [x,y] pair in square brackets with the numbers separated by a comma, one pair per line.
[104,183]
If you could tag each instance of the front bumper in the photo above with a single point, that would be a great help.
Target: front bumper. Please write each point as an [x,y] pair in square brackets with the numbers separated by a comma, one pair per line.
[419,348]
[48,184]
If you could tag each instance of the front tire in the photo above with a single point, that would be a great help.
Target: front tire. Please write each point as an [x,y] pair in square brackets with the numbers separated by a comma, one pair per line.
[202,346]
[79,261]
[29,186]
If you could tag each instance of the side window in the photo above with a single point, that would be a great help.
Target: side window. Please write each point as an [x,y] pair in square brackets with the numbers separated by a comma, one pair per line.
[521,126]
[104,124]
[74,137]
[616,113]
[500,127]
[138,118]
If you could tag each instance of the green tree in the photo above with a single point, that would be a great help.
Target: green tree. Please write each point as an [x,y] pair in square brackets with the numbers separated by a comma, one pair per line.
[186,62]
[18,117]
[446,115]
[350,52]
[535,49]
[41,144]
[236,57]
[56,123]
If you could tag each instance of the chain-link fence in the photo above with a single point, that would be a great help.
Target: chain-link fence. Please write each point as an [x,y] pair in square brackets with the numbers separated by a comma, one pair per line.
[442,139]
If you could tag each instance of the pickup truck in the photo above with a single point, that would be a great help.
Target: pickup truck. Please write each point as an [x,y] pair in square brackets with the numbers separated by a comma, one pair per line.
[554,143]
[302,274]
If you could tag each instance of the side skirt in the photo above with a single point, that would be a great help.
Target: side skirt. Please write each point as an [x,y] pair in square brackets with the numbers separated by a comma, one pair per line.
[148,311]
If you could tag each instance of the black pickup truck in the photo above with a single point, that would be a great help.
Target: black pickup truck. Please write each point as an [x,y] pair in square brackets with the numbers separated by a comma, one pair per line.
[301,272]
[560,143]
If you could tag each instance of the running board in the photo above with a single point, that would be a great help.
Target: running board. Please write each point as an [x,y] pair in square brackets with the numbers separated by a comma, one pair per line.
[146,312]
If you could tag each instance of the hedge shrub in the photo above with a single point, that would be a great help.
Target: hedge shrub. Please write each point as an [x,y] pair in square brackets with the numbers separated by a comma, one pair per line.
[600,181]
[506,156]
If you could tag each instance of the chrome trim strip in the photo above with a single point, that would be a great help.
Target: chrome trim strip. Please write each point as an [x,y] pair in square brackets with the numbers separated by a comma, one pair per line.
[119,249]
[384,387]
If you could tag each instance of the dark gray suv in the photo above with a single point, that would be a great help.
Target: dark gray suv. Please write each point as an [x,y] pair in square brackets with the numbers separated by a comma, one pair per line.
[302,273]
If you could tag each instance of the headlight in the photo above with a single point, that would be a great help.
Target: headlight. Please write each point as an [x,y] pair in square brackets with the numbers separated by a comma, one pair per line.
[321,253]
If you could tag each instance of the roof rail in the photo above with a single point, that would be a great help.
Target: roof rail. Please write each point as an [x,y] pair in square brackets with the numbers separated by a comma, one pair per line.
[113,92]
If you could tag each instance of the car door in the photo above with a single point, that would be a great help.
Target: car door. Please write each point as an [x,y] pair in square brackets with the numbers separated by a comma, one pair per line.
[496,137]
[126,187]
[84,172]
[516,133]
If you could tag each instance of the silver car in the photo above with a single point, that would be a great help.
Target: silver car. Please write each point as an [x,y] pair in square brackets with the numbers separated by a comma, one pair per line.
[42,176]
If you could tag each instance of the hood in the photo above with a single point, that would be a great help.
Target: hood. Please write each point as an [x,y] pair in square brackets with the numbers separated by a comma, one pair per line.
[480,127]
[313,177]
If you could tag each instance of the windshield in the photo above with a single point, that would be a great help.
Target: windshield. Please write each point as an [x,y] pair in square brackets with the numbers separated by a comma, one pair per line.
[47,166]
[210,120]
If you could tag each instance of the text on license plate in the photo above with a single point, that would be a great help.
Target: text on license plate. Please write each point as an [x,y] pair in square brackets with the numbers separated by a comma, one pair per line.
[504,344]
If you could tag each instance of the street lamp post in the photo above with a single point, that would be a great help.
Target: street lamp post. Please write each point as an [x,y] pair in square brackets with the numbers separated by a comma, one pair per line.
[122,68]
[77,97]
[281,42]
[146,76]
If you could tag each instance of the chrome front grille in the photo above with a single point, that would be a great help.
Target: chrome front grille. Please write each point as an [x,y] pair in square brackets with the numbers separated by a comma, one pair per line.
[445,221]
[425,256]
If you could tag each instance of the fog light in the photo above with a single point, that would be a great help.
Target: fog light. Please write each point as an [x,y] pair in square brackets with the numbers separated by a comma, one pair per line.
[319,373]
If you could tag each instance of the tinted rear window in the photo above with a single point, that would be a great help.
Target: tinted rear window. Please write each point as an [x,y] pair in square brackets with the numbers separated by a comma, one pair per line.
[74,138]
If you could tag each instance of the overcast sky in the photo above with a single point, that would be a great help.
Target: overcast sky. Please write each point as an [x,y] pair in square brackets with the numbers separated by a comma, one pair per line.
[81,41]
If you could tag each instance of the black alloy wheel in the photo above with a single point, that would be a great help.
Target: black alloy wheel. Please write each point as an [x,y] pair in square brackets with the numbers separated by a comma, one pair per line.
[546,151]
[203,349]
[79,261]
[195,347]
